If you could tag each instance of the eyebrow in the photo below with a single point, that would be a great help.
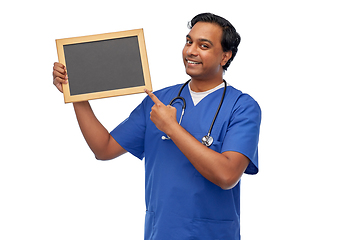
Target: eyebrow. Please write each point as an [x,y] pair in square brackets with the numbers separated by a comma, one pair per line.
[201,40]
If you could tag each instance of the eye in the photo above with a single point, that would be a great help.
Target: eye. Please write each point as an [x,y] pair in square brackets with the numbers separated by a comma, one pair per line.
[204,46]
[188,42]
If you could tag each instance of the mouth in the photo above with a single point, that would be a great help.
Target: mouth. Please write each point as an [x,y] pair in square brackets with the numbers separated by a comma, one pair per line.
[192,62]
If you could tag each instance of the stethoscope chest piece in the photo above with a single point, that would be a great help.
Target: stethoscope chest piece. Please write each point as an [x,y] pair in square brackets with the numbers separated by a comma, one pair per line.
[207,140]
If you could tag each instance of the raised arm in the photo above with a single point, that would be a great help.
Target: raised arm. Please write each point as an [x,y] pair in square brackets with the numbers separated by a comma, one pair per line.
[97,137]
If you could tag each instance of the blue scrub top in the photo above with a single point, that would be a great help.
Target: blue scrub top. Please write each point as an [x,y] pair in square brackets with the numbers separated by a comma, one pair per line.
[180,202]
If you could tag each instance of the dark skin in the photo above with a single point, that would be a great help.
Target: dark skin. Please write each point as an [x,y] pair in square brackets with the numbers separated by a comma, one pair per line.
[203,59]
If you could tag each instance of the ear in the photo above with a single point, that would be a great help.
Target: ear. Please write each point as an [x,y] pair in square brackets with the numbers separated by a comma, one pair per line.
[226,57]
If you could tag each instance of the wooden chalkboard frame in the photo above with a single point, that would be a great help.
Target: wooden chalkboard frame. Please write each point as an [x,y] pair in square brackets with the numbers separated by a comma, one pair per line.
[139,33]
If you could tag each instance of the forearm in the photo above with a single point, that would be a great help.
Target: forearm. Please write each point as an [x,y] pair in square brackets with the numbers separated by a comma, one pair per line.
[216,167]
[97,137]
[95,134]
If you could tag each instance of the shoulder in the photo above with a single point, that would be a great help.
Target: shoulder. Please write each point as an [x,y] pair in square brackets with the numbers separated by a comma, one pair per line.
[242,100]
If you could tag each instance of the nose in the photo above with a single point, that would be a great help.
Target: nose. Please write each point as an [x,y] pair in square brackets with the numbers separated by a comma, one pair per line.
[192,50]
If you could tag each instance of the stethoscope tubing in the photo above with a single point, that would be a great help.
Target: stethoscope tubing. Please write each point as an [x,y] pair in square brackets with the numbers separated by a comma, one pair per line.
[218,109]
[207,140]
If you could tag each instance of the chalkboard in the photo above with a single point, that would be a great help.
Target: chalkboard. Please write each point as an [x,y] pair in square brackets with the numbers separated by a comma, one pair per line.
[104,65]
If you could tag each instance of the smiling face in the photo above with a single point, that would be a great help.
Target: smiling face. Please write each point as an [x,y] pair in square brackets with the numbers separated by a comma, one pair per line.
[203,55]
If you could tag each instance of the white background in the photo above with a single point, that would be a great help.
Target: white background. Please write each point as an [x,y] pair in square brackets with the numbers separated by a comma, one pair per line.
[298,59]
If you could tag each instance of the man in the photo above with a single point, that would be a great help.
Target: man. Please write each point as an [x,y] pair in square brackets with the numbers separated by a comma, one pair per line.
[192,168]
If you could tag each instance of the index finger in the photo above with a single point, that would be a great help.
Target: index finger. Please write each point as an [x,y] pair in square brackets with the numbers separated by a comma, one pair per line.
[153,97]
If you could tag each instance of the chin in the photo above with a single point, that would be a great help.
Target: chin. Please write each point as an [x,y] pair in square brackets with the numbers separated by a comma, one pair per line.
[192,74]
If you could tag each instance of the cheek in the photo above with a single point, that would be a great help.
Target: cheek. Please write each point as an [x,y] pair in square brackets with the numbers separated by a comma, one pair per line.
[184,54]
[184,51]
[208,60]
[211,59]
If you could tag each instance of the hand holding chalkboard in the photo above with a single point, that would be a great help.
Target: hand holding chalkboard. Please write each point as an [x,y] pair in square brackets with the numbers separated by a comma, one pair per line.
[103,65]
[59,76]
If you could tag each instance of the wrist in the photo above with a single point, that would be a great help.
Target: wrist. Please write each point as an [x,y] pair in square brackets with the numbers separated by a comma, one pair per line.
[81,104]
[174,130]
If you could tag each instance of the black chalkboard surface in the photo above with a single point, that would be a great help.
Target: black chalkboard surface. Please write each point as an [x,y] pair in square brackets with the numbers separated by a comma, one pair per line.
[104,65]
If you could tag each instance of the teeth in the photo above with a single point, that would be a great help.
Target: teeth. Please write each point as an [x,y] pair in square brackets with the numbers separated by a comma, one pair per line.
[191,62]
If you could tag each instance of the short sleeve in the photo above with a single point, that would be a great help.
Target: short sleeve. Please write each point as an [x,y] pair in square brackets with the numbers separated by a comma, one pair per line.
[243,131]
[130,134]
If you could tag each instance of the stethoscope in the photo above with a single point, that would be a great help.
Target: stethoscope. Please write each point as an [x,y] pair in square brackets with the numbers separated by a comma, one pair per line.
[207,140]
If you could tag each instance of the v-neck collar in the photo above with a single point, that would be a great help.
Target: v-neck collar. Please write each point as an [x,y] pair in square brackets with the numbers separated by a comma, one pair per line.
[198,96]
[189,101]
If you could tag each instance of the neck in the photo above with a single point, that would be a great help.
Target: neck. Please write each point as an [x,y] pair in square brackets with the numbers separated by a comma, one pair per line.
[204,85]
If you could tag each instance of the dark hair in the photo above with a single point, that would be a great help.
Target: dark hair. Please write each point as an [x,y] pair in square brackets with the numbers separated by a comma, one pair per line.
[230,38]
